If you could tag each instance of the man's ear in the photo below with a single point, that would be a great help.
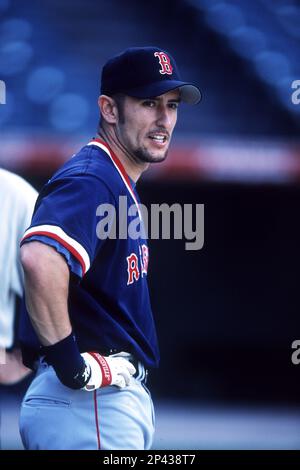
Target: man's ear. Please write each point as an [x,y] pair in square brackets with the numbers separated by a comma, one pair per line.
[108,109]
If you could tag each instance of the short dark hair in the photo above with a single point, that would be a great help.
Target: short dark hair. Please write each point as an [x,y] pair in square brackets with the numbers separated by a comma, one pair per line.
[119,98]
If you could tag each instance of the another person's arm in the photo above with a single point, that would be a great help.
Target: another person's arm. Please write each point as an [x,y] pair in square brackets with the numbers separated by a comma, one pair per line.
[18,199]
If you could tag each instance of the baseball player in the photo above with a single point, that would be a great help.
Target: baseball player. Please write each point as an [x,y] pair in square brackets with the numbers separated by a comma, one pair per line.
[17,202]
[91,333]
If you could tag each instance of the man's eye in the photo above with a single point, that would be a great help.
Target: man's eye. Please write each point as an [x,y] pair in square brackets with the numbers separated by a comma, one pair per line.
[173,105]
[149,103]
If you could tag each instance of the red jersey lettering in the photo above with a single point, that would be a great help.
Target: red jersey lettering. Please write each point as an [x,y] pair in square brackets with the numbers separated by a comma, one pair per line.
[132,268]
[144,259]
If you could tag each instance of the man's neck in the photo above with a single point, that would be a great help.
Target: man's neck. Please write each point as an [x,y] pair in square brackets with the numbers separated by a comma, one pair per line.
[132,168]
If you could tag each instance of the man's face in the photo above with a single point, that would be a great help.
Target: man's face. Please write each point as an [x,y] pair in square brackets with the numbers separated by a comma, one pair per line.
[146,126]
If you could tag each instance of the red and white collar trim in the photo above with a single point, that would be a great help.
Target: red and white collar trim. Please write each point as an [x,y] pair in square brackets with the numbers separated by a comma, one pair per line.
[119,167]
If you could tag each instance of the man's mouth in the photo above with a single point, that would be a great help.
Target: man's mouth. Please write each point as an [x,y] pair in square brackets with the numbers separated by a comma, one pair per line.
[158,138]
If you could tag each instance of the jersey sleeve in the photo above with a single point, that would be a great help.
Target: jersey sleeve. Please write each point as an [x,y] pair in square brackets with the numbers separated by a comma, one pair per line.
[66,219]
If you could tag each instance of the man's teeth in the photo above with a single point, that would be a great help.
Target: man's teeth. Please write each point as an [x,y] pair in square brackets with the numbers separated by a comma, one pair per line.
[159,138]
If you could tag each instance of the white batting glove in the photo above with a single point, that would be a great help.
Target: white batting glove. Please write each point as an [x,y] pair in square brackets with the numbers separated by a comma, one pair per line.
[104,371]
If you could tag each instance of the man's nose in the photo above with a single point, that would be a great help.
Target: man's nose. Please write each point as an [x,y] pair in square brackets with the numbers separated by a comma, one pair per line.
[163,118]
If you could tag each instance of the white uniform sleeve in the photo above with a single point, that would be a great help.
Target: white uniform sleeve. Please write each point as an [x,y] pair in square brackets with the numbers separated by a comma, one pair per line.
[17,199]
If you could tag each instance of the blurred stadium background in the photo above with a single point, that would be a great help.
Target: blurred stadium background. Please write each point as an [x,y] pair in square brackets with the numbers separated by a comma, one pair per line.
[227,314]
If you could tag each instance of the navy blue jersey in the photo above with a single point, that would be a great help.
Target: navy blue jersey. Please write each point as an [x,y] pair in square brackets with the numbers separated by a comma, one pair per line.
[109,303]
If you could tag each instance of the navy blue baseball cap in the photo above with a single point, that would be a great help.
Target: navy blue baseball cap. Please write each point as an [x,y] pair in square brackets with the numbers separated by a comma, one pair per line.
[145,72]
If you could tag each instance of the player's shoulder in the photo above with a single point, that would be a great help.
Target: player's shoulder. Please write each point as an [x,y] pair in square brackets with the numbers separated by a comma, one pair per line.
[90,162]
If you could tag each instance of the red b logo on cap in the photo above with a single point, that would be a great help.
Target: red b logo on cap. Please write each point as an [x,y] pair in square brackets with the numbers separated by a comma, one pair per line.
[164,62]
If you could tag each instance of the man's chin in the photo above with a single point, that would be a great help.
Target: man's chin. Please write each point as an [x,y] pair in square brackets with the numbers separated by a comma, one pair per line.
[158,159]
[148,157]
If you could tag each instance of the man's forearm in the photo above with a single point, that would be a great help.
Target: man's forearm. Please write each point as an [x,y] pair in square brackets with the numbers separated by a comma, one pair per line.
[46,288]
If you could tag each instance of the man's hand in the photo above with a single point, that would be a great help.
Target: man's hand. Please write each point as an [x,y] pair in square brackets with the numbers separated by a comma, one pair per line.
[104,371]
[87,371]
